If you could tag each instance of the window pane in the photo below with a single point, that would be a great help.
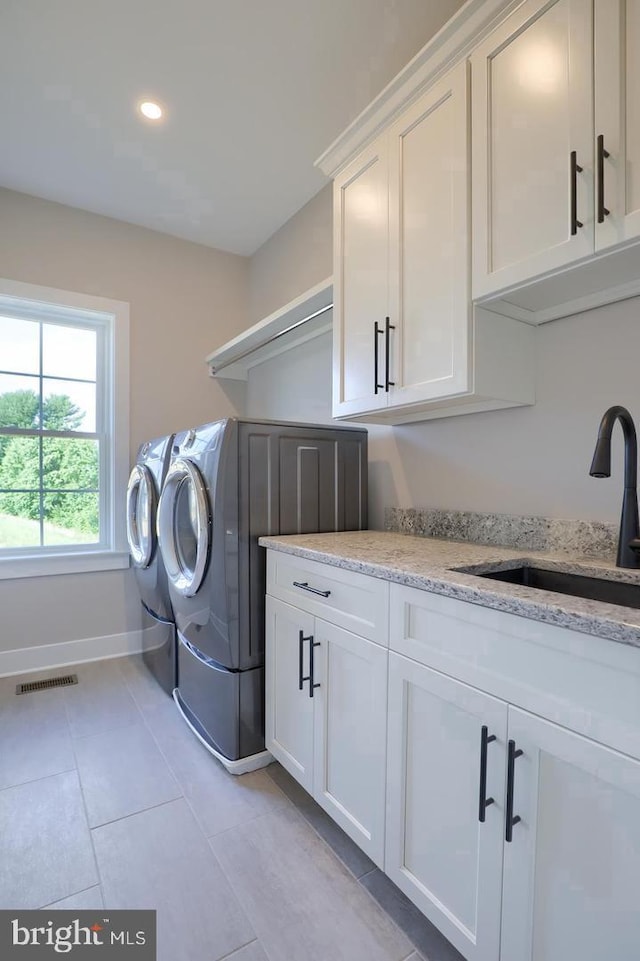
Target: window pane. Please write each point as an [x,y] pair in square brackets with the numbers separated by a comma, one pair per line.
[19,523]
[19,463]
[68,352]
[70,464]
[19,401]
[71,519]
[67,405]
[20,345]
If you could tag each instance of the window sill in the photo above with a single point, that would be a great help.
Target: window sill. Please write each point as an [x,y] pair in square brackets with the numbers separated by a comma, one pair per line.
[81,563]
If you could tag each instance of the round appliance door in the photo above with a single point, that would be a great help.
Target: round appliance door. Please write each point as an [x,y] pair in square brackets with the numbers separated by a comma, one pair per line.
[184,526]
[141,515]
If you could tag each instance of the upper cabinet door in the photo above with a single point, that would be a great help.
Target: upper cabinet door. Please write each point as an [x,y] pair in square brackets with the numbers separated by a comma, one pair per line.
[572,869]
[617,117]
[360,285]
[532,113]
[428,228]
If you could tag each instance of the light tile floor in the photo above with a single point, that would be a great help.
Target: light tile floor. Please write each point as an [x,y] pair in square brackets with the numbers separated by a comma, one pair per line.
[108,800]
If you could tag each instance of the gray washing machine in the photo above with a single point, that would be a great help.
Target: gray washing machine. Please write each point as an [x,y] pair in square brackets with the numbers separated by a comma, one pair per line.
[229,483]
[143,493]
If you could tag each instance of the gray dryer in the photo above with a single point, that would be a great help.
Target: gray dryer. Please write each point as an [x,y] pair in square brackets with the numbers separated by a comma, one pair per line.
[229,483]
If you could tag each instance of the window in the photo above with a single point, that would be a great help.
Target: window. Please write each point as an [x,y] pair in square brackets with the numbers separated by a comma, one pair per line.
[63,431]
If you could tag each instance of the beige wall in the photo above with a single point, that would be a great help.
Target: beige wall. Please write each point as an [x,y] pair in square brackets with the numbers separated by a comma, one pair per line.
[185,300]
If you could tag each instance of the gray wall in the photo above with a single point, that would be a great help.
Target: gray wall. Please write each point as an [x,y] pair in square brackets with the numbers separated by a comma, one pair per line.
[185,300]
[295,258]
[523,460]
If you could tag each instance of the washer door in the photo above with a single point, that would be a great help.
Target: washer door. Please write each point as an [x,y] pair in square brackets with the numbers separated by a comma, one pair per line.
[184,526]
[141,515]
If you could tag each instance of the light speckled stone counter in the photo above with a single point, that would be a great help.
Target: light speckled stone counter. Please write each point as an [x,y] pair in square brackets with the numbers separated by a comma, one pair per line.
[426,562]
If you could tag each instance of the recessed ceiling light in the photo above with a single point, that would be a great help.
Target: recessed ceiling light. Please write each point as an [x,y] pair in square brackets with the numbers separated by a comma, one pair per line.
[150,110]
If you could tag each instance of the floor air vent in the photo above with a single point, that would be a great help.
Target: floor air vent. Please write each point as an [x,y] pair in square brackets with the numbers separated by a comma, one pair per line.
[47,684]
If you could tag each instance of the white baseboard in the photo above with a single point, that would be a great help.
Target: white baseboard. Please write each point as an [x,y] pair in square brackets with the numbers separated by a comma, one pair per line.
[25,659]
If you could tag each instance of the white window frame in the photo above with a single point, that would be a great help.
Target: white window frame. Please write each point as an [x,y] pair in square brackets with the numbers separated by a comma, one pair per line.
[112,318]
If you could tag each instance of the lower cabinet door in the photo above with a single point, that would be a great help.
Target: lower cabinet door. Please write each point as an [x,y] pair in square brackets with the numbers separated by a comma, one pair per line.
[289,709]
[445,771]
[572,868]
[350,734]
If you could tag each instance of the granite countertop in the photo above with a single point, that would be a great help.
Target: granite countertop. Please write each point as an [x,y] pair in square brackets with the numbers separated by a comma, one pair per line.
[426,562]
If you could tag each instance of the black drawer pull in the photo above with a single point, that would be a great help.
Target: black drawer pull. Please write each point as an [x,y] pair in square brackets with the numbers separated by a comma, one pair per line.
[511,763]
[602,154]
[376,332]
[301,640]
[484,801]
[312,683]
[388,327]
[304,586]
[575,169]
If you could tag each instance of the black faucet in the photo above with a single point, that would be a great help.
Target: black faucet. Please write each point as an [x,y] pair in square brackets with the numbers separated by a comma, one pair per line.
[629,540]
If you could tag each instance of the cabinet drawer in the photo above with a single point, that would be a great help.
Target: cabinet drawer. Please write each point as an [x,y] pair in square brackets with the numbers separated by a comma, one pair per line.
[356,602]
[581,682]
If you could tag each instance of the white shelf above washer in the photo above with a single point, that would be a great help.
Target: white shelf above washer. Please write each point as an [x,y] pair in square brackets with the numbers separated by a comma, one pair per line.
[302,319]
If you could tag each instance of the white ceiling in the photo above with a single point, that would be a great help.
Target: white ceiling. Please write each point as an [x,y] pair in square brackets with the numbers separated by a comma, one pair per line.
[255,90]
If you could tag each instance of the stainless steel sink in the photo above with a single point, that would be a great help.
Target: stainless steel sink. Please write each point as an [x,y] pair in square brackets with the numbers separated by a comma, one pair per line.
[562,582]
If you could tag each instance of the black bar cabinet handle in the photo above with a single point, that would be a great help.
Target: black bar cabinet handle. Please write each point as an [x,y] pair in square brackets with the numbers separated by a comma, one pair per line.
[304,586]
[301,640]
[312,683]
[511,763]
[388,327]
[575,170]
[602,153]
[484,801]
[376,333]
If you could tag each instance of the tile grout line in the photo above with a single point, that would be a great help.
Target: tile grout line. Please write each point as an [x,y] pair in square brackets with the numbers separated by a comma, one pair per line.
[257,817]
[50,904]
[86,815]
[226,957]
[132,814]
[34,780]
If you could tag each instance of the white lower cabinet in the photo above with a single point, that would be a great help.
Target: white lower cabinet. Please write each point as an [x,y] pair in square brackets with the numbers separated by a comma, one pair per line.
[510,750]
[326,716]
[289,709]
[446,770]
[553,872]
[565,885]
[572,869]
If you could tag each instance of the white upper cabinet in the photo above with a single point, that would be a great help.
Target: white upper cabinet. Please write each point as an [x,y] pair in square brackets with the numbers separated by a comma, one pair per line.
[533,136]
[428,244]
[401,260]
[406,344]
[556,155]
[361,225]
[617,121]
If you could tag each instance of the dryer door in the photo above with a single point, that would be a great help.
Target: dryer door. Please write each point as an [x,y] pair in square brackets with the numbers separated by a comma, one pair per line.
[141,515]
[184,526]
